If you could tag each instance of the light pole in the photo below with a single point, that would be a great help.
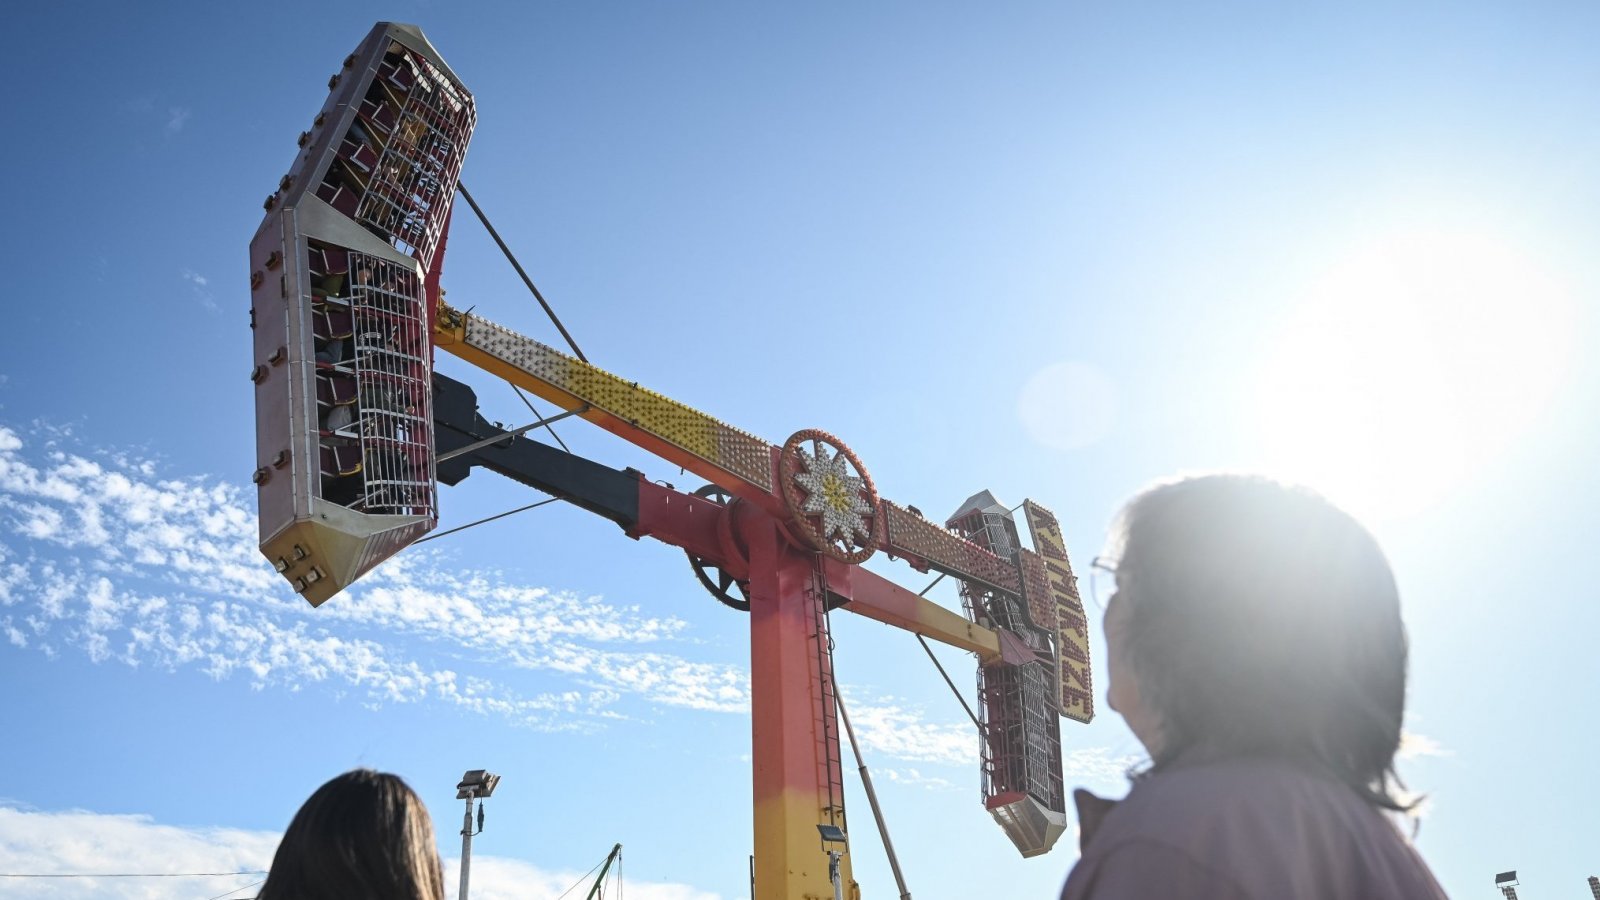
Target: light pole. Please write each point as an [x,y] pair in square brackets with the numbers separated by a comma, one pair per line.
[833,834]
[477,784]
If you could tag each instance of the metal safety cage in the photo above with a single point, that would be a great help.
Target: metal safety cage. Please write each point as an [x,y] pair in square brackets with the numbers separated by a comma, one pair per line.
[1020,723]
[342,324]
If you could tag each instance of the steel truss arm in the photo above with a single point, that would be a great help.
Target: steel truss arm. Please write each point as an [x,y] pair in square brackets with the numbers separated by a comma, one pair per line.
[645,509]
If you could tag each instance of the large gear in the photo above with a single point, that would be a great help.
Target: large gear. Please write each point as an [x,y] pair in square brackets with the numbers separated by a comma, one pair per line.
[729,591]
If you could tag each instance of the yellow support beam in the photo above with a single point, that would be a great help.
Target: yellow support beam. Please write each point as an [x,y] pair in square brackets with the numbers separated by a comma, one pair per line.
[735,460]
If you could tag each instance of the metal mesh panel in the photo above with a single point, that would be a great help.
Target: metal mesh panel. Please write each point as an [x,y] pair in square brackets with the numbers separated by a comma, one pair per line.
[1022,732]
[397,166]
[1020,714]
[374,403]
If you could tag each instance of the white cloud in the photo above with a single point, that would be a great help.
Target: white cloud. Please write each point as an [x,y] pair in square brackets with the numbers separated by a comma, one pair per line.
[106,557]
[200,285]
[77,841]
[177,117]
[916,778]
[84,842]
[498,878]
[101,555]
[1413,745]
[884,725]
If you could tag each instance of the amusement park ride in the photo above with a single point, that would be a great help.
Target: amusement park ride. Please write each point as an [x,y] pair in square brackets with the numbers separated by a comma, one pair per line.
[355,431]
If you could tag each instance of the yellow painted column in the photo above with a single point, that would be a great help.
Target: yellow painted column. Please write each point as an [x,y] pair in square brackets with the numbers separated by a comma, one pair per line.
[793,724]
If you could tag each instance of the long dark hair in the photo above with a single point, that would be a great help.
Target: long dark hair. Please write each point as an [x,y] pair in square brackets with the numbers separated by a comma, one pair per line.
[1263,621]
[364,835]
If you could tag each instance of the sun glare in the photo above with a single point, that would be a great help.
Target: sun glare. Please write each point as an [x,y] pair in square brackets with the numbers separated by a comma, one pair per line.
[1411,365]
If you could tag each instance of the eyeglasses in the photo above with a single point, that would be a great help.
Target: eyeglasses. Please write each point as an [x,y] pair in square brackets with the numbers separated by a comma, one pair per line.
[1102,581]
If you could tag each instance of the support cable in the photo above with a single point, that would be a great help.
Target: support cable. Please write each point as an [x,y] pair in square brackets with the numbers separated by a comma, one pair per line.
[489,519]
[506,436]
[128,874]
[581,879]
[923,641]
[929,650]
[546,422]
[460,186]
[872,799]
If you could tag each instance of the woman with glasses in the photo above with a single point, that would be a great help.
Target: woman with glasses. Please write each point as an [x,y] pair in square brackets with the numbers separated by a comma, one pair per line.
[1255,648]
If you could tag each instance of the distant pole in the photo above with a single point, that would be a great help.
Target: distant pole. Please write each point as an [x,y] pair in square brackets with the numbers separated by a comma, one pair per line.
[466,848]
[476,785]
[1594,887]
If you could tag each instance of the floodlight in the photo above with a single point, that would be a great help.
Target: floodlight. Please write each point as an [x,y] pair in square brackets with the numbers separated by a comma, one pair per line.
[1505,878]
[476,783]
[831,834]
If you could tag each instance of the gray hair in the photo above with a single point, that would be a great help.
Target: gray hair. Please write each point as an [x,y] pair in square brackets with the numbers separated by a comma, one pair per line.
[1263,621]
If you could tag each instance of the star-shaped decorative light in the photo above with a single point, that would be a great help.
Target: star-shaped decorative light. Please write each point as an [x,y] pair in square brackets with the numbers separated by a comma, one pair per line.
[834,494]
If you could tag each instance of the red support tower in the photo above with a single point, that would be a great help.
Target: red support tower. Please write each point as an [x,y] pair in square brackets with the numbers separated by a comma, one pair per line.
[354,431]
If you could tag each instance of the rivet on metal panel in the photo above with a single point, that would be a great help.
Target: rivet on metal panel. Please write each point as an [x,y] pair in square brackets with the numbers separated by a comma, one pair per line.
[278,355]
[280,460]
[256,278]
[270,202]
[334,81]
[258,374]
[261,475]
[304,139]
[299,552]
[273,259]
[284,182]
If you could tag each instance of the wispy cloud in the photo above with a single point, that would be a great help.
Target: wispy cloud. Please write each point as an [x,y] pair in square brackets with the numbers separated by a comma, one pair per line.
[916,778]
[1413,746]
[887,725]
[102,555]
[201,286]
[177,117]
[77,841]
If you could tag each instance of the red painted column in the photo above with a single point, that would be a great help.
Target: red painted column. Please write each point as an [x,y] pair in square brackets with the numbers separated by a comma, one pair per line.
[794,735]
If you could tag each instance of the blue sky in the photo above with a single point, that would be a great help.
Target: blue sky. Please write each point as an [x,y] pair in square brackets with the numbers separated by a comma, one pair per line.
[1053,250]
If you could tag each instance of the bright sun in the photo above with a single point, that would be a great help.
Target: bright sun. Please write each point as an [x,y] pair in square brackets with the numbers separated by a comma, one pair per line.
[1409,366]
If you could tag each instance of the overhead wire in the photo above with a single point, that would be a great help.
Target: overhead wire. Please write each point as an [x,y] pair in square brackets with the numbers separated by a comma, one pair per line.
[237,890]
[127,874]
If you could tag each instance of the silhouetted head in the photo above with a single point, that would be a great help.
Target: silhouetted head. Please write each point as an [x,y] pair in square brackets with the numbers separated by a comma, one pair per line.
[1255,619]
[364,835]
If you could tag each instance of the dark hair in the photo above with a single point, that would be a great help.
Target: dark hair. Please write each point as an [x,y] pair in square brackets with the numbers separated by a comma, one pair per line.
[1263,621]
[363,835]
